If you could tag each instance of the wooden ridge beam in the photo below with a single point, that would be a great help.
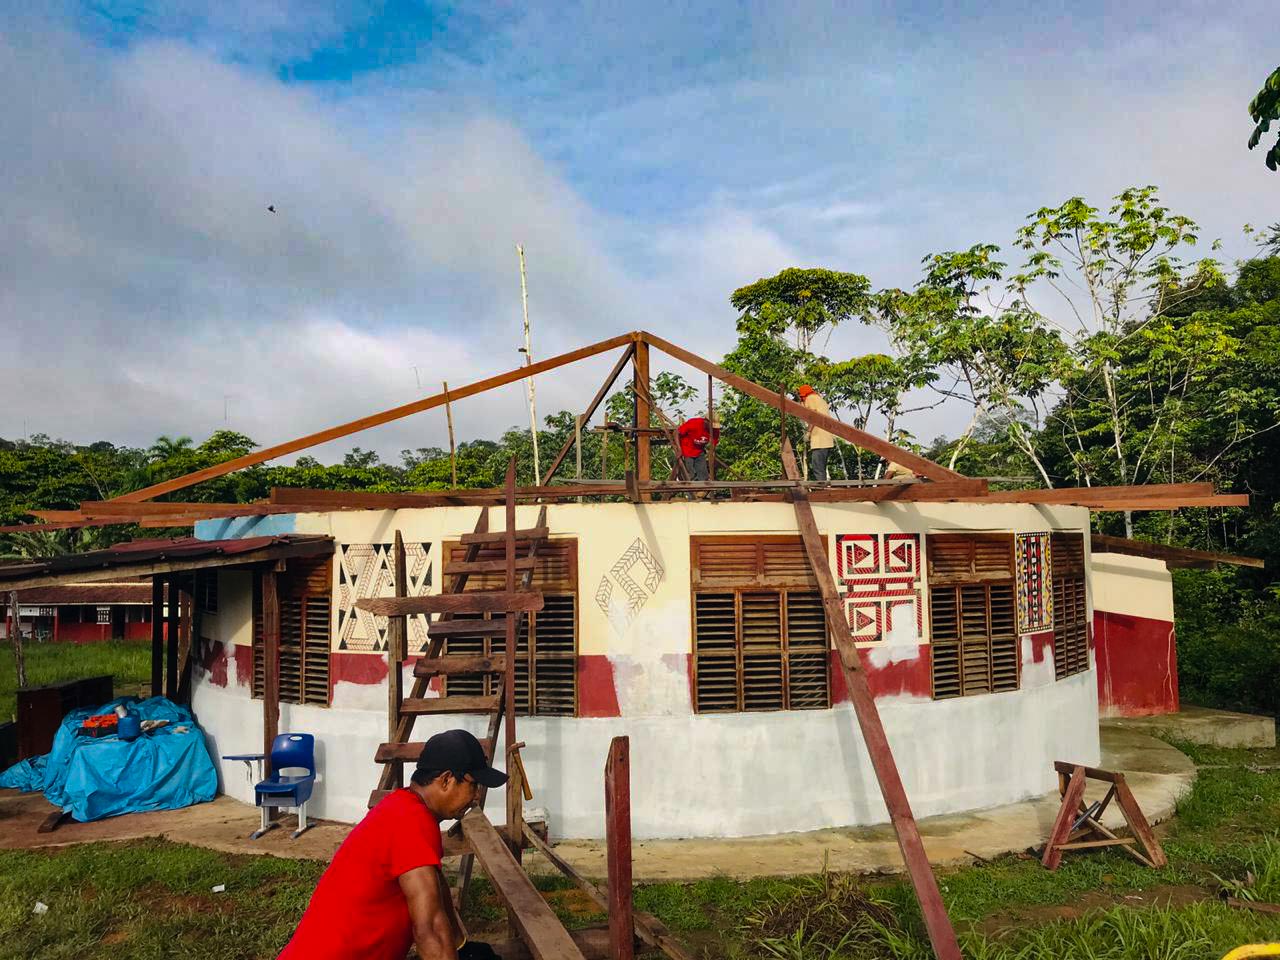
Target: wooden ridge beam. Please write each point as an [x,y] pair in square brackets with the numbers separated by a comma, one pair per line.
[1178,556]
[860,438]
[373,420]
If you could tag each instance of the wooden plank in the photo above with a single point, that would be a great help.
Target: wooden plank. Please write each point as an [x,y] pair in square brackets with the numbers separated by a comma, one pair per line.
[1171,503]
[1273,908]
[1137,821]
[171,642]
[591,409]
[271,666]
[451,666]
[649,930]
[373,420]
[592,941]
[435,706]
[642,411]
[486,566]
[404,752]
[860,438]
[1102,543]
[477,601]
[528,533]
[1093,844]
[106,509]
[397,650]
[941,934]
[1067,813]
[515,820]
[443,629]
[617,827]
[1098,494]
[546,937]
[157,636]
[1093,773]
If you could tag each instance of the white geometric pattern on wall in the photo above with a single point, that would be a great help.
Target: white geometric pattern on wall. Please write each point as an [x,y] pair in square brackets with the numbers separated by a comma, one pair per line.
[622,616]
[878,576]
[367,570]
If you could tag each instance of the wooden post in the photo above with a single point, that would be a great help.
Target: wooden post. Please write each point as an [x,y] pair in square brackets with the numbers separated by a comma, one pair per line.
[171,642]
[640,381]
[514,832]
[157,636]
[270,665]
[15,634]
[604,454]
[197,626]
[617,826]
[711,419]
[448,415]
[941,934]
[397,637]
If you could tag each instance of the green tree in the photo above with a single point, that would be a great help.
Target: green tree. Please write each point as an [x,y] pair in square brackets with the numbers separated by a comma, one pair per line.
[1263,109]
[801,303]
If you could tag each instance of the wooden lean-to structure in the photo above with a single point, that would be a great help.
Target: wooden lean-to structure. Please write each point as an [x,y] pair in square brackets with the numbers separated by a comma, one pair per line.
[462,612]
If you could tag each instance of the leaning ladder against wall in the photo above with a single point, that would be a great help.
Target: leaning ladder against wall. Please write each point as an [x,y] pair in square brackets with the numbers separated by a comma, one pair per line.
[513,603]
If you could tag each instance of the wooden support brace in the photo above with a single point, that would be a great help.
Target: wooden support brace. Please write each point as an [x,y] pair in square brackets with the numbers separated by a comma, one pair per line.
[617,824]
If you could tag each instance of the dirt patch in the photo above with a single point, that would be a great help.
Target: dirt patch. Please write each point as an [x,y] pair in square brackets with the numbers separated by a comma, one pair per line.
[159,898]
[573,902]
[113,938]
[1007,921]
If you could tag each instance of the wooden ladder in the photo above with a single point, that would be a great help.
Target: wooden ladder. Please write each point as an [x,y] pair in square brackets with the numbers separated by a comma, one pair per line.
[506,607]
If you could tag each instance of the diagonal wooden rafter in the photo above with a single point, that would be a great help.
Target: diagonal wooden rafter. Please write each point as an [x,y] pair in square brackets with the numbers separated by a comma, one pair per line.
[860,438]
[373,420]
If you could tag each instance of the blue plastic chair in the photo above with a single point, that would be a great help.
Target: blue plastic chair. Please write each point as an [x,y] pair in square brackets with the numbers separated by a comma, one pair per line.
[285,787]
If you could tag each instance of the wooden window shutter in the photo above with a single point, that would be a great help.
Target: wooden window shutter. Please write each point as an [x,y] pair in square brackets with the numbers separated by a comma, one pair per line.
[1070,606]
[759,627]
[305,591]
[973,634]
[546,672]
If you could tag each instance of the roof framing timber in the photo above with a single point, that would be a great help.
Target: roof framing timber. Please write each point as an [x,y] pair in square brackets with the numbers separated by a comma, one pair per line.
[1174,556]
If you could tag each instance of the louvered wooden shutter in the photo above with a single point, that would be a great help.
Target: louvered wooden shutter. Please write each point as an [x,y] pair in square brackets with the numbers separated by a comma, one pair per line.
[305,600]
[546,669]
[759,627]
[972,610]
[1070,608]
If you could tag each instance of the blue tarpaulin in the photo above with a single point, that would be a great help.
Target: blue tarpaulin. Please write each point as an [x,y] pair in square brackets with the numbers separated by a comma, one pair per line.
[96,777]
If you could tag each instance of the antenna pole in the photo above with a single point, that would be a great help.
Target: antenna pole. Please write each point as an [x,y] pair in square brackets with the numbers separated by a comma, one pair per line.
[528,359]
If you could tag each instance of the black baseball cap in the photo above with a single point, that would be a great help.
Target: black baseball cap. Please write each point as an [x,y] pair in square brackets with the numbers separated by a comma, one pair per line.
[460,753]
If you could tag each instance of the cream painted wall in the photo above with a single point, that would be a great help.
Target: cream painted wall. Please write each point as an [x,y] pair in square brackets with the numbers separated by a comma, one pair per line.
[1134,586]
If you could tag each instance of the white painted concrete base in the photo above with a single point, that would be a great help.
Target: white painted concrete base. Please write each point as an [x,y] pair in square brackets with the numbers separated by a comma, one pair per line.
[730,775]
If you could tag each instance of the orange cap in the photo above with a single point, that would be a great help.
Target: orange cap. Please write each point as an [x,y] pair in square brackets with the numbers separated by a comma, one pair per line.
[804,390]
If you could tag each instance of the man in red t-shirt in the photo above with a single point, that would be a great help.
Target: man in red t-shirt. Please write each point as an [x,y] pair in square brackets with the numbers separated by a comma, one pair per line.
[696,435]
[384,890]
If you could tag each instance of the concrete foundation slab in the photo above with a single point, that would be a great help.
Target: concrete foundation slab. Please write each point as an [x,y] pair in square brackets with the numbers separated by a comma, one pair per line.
[1158,774]
[1216,728]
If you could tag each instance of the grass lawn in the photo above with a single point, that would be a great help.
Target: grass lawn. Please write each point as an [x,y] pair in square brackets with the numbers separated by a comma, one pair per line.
[153,899]
[129,661]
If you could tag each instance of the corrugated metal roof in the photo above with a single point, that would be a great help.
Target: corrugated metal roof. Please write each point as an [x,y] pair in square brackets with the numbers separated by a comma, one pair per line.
[98,594]
[183,549]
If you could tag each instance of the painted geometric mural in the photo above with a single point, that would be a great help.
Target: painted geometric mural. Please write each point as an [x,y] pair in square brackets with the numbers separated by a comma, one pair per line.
[1035,582]
[878,575]
[367,570]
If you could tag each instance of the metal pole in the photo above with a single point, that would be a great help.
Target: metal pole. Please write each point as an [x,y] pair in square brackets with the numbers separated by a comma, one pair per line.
[528,359]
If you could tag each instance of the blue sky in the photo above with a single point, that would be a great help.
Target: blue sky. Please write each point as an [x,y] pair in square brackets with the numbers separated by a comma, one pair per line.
[650,157]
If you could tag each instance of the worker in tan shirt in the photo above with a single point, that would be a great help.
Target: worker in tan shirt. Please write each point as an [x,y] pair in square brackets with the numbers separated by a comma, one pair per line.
[820,441]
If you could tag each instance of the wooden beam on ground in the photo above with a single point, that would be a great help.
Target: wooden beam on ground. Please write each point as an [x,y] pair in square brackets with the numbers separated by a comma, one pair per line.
[592,941]
[1174,556]
[617,831]
[475,601]
[941,934]
[539,928]
[373,420]
[591,409]
[860,438]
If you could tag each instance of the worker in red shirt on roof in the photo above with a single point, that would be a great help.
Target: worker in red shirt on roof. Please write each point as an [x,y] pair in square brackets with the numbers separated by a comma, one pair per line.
[696,436]
[384,891]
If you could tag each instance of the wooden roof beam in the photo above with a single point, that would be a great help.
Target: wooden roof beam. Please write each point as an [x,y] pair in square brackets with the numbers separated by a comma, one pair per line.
[373,420]
[1174,556]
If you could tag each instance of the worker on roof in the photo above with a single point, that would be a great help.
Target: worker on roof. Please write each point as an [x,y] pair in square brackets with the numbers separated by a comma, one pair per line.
[384,891]
[697,435]
[819,441]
